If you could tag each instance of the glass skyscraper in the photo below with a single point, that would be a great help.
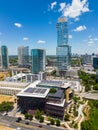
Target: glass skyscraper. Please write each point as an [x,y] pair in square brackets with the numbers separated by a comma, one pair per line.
[4,57]
[63,50]
[38,59]
[23,56]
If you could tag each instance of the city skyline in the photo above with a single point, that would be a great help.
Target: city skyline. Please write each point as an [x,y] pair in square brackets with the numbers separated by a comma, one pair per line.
[33,23]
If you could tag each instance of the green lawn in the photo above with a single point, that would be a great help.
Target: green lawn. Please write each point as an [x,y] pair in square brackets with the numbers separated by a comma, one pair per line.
[94,117]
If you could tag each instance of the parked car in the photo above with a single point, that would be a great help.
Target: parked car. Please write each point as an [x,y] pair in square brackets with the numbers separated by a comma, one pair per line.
[26,122]
[18,119]
[5,113]
[40,126]
[48,123]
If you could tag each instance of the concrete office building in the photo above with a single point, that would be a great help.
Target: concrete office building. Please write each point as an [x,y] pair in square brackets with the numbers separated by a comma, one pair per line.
[4,57]
[63,50]
[23,56]
[38,59]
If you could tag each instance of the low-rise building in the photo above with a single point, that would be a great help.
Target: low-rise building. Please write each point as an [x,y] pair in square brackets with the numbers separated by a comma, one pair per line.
[32,97]
[11,88]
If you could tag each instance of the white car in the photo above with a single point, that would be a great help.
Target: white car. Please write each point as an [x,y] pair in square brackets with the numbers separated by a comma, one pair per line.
[18,128]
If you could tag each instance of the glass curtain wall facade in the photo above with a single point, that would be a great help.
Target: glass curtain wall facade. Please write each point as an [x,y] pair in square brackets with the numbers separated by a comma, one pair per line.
[4,57]
[38,59]
[23,56]
[63,50]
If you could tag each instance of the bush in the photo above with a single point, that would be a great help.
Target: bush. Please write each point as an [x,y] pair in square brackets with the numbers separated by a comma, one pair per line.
[66,118]
[75,113]
[57,122]
[41,119]
[52,90]
[52,121]
[28,116]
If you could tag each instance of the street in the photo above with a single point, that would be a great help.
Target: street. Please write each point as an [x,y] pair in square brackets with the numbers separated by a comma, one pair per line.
[11,122]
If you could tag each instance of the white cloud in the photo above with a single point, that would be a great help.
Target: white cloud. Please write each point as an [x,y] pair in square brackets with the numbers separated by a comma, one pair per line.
[25,39]
[76,8]
[95,39]
[77,19]
[90,43]
[70,36]
[18,25]
[91,40]
[80,28]
[53,4]
[41,41]
[62,6]
[89,36]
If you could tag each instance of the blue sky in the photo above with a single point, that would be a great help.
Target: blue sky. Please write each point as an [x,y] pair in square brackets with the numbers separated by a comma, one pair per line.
[33,23]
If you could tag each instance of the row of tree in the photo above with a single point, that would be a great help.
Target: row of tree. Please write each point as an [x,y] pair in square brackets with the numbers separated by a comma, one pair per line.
[38,115]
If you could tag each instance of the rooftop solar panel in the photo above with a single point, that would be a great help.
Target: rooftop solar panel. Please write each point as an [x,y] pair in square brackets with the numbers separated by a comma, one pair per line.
[30,90]
[35,90]
[43,91]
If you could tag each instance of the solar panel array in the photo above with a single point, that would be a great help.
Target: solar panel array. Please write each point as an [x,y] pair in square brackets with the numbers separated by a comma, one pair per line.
[35,90]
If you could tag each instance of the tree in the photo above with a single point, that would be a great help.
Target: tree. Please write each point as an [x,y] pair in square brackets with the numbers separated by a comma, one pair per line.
[41,119]
[30,116]
[57,122]
[6,106]
[52,121]
[37,114]
[95,87]
[26,116]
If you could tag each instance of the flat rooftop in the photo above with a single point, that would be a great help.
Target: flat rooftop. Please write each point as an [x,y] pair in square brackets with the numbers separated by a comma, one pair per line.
[33,91]
[57,94]
[51,83]
[10,88]
[54,83]
[19,84]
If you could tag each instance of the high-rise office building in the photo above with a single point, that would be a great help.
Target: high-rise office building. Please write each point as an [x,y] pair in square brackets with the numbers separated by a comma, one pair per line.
[23,56]
[4,57]
[63,50]
[38,59]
